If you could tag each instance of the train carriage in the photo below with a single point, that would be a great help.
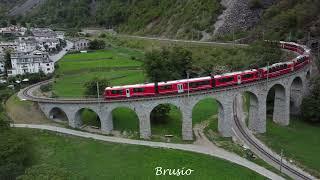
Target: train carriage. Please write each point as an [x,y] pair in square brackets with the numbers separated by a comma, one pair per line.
[138,90]
[276,70]
[217,81]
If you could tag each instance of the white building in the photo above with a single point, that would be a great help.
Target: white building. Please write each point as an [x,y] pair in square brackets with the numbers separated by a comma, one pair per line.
[33,62]
[60,35]
[48,44]
[8,46]
[13,30]
[41,34]
[1,64]
[80,44]
[26,44]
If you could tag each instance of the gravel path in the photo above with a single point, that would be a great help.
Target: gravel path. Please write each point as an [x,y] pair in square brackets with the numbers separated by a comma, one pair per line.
[208,150]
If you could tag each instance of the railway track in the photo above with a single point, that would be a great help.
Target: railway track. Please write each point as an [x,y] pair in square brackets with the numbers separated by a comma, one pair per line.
[27,93]
[261,150]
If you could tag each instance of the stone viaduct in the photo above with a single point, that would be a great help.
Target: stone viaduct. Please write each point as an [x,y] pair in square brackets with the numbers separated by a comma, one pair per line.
[288,91]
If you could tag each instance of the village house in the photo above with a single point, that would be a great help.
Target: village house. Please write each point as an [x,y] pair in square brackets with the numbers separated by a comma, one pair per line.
[13,30]
[80,44]
[33,62]
[1,64]
[4,46]
[47,39]
[60,35]
[26,44]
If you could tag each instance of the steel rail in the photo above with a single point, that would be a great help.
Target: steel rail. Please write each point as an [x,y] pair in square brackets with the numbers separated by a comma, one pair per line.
[263,151]
[28,95]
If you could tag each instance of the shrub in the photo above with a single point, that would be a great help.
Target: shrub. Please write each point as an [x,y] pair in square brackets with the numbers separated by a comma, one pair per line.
[46,87]
[255,4]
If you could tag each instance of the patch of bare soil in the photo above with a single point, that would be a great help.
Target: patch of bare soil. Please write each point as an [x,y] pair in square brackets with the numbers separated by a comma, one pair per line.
[25,112]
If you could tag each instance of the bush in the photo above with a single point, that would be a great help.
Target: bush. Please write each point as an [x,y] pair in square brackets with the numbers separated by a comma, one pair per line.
[14,154]
[46,87]
[255,4]
[103,35]
[97,44]
[310,107]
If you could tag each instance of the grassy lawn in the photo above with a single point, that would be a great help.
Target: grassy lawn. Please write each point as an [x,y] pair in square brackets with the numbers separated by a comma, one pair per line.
[300,142]
[99,160]
[125,119]
[119,65]
[203,110]
[211,132]
[173,126]
[72,85]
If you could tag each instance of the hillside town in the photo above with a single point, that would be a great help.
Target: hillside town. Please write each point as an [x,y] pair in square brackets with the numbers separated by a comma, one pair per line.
[29,50]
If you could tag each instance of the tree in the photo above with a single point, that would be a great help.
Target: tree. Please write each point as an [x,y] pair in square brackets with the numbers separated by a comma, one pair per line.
[91,86]
[97,44]
[264,53]
[310,107]
[160,114]
[7,62]
[164,65]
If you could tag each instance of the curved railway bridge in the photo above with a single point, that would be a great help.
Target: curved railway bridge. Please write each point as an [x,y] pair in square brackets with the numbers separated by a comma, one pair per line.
[289,90]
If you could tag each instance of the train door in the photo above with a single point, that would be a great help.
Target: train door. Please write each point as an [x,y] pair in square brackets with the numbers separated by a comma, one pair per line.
[128,92]
[180,88]
[239,79]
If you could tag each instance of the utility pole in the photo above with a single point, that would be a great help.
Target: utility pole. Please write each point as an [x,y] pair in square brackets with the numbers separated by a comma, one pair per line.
[188,76]
[98,93]
[281,157]
[233,37]
[267,75]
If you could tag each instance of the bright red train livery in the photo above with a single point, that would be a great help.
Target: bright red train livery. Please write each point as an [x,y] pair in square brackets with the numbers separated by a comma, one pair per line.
[214,81]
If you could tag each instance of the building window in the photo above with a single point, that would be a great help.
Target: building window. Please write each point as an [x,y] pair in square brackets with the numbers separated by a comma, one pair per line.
[48,64]
[48,69]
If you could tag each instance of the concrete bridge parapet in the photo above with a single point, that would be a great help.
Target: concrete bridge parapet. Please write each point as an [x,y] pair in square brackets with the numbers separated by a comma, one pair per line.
[290,87]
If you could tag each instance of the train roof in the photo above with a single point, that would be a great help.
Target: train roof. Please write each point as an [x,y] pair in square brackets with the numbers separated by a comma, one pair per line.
[184,80]
[129,86]
[160,83]
[235,73]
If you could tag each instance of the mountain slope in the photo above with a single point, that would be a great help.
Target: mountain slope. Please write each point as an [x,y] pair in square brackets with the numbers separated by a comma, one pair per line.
[23,8]
[175,18]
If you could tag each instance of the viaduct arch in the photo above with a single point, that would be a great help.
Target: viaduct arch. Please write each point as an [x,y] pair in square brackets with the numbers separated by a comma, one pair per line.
[286,87]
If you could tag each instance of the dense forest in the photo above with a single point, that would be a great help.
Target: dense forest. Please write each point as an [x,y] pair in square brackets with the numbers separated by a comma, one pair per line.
[291,19]
[285,19]
[171,18]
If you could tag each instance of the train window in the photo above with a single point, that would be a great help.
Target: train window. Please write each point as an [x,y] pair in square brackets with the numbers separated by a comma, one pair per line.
[138,90]
[166,87]
[205,83]
[247,76]
[227,79]
[116,91]
[193,84]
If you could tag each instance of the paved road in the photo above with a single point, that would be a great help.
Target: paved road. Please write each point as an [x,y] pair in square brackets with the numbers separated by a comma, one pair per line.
[185,41]
[63,52]
[212,151]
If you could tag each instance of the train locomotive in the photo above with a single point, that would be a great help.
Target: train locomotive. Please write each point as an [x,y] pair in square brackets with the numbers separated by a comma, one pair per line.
[214,81]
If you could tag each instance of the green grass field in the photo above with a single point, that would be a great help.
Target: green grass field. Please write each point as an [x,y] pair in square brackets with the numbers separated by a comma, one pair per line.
[100,160]
[125,119]
[119,65]
[300,142]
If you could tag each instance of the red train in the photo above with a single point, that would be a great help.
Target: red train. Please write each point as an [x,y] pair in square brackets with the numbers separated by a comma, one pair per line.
[212,82]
